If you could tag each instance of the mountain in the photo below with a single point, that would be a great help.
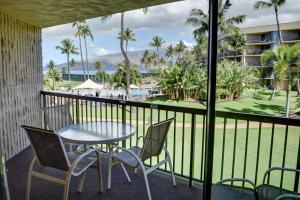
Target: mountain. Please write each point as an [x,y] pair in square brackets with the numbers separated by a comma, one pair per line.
[109,62]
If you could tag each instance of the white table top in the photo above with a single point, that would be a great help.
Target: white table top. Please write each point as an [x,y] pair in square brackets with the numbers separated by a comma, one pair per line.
[101,132]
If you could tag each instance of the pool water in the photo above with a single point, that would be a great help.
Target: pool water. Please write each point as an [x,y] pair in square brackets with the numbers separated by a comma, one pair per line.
[113,92]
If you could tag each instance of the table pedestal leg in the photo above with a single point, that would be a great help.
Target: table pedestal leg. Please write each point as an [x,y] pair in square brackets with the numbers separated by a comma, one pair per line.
[110,150]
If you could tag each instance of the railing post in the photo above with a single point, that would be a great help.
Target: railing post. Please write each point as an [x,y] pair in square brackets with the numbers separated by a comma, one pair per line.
[192,155]
[211,96]
[77,110]
[296,183]
[44,116]
[123,119]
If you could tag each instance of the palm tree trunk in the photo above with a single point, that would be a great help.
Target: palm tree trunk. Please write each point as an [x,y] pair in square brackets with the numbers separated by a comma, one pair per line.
[298,84]
[288,96]
[157,57]
[68,65]
[278,26]
[126,46]
[82,63]
[127,61]
[86,58]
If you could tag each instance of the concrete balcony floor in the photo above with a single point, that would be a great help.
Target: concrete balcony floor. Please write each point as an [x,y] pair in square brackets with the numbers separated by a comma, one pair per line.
[160,184]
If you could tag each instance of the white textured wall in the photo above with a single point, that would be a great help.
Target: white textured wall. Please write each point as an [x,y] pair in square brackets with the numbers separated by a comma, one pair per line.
[20,82]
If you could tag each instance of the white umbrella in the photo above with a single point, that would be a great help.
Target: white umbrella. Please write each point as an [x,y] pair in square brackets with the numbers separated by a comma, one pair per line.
[89,84]
[133,87]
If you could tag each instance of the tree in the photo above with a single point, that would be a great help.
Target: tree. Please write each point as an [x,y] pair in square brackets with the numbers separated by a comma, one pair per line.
[200,19]
[128,36]
[78,33]
[98,65]
[200,50]
[103,76]
[275,4]
[236,43]
[170,51]
[53,73]
[157,42]
[282,59]
[86,32]
[67,47]
[63,70]
[119,78]
[179,49]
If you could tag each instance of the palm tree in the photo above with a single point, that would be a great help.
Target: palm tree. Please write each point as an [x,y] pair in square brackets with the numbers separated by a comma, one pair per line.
[53,73]
[128,36]
[237,44]
[282,59]
[144,58]
[275,4]
[200,19]
[98,65]
[67,47]
[200,50]
[86,32]
[170,51]
[127,61]
[157,42]
[179,49]
[78,33]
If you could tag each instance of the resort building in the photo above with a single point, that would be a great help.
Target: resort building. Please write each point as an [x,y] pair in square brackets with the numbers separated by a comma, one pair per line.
[261,38]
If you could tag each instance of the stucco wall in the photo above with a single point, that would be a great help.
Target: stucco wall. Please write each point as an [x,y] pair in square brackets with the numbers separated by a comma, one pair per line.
[20,82]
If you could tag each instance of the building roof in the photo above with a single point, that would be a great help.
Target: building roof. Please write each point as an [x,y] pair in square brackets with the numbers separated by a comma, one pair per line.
[272,27]
[46,13]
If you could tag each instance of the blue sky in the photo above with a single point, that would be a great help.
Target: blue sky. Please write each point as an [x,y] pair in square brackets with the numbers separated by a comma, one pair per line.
[167,21]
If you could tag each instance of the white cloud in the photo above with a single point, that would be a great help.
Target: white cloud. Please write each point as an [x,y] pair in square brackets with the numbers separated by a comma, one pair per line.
[101,51]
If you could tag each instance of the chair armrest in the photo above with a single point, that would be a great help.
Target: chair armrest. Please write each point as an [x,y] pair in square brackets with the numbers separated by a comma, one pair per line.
[279,168]
[81,156]
[290,196]
[237,180]
[131,153]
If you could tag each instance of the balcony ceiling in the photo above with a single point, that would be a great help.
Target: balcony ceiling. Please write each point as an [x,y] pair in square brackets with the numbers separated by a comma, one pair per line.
[46,13]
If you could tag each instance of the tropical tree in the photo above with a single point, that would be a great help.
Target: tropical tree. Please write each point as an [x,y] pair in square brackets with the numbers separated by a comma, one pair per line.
[236,44]
[98,65]
[78,33]
[200,50]
[180,49]
[119,78]
[63,70]
[128,36]
[148,59]
[53,73]
[283,59]
[200,19]
[67,47]
[86,32]
[127,61]
[103,76]
[170,51]
[157,42]
[275,4]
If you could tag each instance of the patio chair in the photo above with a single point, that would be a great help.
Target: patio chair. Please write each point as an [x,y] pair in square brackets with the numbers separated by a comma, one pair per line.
[50,153]
[221,191]
[153,145]
[58,117]
[270,192]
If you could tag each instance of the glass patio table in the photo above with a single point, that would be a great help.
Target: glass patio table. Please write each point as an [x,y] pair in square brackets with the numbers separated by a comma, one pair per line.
[98,132]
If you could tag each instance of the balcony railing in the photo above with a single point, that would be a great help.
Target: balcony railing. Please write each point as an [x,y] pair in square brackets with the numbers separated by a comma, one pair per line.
[254,63]
[291,38]
[259,40]
[245,144]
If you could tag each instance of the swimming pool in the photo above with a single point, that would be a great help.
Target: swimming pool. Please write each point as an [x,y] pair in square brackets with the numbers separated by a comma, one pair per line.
[113,92]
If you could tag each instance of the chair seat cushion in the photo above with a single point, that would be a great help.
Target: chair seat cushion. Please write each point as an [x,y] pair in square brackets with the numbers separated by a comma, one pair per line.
[270,192]
[82,164]
[223,192]
[127,158]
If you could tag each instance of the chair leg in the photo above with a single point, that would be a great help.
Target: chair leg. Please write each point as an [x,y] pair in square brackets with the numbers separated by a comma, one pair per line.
[67,185]
[80,185]
[99,174]
[28,185]
[125,171]
[109,172]
[172,172]
[147,184]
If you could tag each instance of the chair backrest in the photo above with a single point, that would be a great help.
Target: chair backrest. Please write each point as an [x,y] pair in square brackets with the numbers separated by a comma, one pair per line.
[155,139]
[58,117]
[48,148]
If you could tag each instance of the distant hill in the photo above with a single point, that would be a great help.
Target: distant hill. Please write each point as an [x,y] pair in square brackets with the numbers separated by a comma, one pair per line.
[109,62]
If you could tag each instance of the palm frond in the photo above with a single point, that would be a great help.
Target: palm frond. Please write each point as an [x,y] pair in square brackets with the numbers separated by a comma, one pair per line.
[262,4]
